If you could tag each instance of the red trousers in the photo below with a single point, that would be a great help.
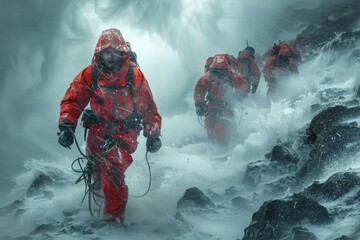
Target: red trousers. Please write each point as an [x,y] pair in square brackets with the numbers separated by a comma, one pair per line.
[112,173]
[111,165]
[220,126]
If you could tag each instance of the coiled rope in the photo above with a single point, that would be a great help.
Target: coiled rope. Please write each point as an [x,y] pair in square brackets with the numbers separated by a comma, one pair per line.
[93,184]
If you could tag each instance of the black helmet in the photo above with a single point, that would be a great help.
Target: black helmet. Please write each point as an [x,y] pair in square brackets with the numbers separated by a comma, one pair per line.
[251,50]
[128,44]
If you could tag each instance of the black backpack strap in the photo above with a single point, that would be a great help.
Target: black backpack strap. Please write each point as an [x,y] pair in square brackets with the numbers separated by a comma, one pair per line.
[209,81]
[129,79]
[95,74]
[134,120]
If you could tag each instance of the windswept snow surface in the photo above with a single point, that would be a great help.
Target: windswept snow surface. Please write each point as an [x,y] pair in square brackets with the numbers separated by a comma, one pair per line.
[171,51]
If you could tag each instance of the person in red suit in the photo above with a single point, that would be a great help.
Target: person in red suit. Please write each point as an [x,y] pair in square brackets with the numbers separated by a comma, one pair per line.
[246,66]
[279,67]
[215,94]
[298,49]
[122,103]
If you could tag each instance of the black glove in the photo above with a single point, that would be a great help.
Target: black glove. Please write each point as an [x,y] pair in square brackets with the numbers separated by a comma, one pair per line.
[66,135]
[201,109]
[153,144]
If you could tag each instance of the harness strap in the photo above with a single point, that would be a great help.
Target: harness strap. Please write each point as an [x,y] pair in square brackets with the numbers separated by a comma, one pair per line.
[133,121]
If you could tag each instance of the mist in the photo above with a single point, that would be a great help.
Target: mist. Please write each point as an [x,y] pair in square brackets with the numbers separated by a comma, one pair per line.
[45,43]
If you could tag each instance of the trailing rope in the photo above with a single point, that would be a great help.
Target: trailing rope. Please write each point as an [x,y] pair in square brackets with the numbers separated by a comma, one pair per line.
[240,107]
[86,169]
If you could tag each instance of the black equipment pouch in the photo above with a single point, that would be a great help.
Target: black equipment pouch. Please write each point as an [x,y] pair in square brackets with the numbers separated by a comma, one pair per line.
[88,119]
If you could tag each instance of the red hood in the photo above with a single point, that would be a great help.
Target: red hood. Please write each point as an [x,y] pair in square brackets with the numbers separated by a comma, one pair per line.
[208,63]
[111,38]
[220,61]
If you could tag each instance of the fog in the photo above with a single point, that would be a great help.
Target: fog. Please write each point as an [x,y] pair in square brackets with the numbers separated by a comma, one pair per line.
[45,43]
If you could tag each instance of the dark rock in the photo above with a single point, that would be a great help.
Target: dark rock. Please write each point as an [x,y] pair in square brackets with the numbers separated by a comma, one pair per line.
[194,197]
[344,237]
[323,22]
[70,212]
[331,117]
[193,202]
[264,171]
[299,233]
[276,217]
[283,155]
[308,136]
[320,34]
[334,149]
[354,57]
[347,40]
[352,103]
[317,36]
[258,172]
[88,231]
[76,228]
[335,94]
[39,185]
[9,208]
[315,107]
[282,186]
[43,228]
[354,199]
[334,187]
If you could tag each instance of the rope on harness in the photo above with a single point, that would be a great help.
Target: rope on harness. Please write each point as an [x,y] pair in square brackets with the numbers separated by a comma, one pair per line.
[240,107]
[93,184]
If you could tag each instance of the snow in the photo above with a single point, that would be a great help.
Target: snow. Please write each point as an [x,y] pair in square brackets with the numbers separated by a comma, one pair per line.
[172,59]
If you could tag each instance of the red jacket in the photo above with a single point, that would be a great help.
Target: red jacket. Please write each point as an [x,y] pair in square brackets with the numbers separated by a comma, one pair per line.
[248,69]
[275,69]
[111,100]
[218,93]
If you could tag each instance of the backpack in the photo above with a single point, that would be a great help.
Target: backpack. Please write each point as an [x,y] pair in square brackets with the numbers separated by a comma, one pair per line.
[275,49]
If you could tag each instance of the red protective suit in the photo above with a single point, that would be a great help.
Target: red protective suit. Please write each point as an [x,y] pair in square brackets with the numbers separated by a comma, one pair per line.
[274,50]
[279,67]
[217,92]
[207,64]
[118,105]
[248,69]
